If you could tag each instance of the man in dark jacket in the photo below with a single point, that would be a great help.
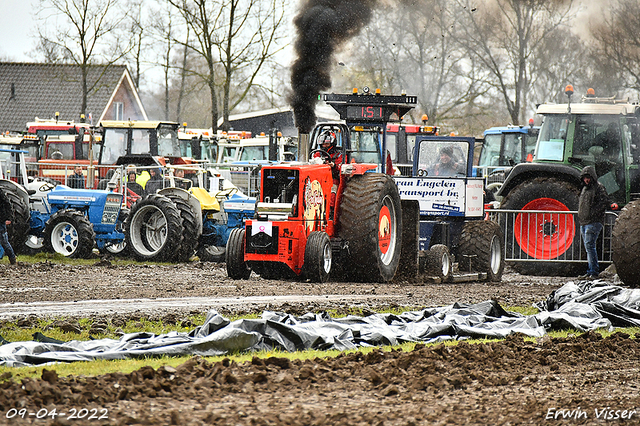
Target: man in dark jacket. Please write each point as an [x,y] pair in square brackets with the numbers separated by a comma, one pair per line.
[76,180]
[592,205]
[6,217]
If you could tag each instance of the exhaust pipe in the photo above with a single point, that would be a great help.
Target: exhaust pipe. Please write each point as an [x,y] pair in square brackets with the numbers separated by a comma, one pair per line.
[303,147]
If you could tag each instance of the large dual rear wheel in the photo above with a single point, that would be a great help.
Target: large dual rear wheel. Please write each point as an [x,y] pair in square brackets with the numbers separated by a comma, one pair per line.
[154,229]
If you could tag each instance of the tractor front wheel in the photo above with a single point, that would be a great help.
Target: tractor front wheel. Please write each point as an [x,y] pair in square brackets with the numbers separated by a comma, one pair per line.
[69,233]
[237,267]
[317,257]
[437,262]
[370,222]
[482,247]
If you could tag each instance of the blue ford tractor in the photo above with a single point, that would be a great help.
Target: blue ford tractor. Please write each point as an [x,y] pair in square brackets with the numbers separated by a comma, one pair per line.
[57,218]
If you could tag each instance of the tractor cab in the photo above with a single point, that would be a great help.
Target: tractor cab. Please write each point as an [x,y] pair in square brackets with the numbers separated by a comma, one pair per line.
[139,142]
[599,132]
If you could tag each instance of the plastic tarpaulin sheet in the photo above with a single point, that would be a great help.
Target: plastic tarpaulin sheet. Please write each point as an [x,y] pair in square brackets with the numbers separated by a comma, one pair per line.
[583,306]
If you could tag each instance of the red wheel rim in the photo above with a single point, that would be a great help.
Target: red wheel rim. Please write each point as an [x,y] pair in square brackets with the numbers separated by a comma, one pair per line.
[544,235]
[384,229]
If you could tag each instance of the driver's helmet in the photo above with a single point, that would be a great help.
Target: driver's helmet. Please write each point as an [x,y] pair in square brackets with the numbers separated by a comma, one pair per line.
[327,137]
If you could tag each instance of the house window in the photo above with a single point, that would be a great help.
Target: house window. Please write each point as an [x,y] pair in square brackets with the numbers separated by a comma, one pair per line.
[118,108]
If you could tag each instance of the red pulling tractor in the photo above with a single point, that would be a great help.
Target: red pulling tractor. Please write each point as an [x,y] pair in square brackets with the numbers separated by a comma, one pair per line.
[298,232]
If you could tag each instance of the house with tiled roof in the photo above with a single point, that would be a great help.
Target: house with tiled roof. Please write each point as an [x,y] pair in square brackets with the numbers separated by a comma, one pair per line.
[30,90]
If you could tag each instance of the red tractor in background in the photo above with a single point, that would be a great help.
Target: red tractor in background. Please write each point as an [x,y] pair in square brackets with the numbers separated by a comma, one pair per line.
[296,232]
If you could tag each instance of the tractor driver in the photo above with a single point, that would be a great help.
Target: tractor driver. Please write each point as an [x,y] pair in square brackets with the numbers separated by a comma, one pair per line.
[448,165]
[328,142]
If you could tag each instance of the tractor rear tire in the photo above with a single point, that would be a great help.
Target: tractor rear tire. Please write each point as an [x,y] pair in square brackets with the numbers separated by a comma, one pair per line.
[19,228]
[317,257]
[154,229]
[69,233]
[438,262]
[626,244]
[370,222]
[237,267]
[190,236]
[547,240]
[483,242]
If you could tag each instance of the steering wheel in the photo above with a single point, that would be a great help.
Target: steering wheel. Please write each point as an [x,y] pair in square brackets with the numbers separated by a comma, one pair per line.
[323,154]
[47,186]
[226,193]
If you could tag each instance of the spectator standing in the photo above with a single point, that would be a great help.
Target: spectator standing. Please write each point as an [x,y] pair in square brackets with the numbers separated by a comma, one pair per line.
[592,205]
[6,217]
[76,180]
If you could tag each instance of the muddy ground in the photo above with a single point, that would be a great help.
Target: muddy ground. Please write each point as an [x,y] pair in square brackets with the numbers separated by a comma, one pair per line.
[587,379]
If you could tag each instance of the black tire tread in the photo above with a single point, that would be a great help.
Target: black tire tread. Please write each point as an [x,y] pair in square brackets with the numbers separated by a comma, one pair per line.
[626,244]
[19,228]
[313,267]
[433,262]
[358,224]
[237,268]
[189,242]
[475,240]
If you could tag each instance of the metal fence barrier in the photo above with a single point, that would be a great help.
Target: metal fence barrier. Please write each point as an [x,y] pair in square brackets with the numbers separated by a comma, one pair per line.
[536,235]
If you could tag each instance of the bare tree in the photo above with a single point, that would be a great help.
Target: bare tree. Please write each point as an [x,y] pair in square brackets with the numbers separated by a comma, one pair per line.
[86,36]
[418,56]
[560,60]
[618,45]
[503,35]
[235,38]
[136,30]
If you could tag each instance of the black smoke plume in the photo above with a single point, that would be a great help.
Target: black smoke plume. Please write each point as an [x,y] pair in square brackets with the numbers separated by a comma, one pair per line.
[322,26]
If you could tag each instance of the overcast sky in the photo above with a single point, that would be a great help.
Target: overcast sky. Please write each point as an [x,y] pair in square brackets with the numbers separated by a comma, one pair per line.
[18,31]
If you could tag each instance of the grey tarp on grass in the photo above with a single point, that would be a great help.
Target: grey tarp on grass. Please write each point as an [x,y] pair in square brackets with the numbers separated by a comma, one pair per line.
[584,306]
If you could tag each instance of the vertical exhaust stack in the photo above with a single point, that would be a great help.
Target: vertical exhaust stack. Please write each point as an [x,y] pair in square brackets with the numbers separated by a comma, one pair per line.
[303,147]
[322,26]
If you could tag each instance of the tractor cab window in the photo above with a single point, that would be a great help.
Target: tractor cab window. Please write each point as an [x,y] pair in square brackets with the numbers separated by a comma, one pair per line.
[60,150]
[553,135]
[209,150]
[633,138]
[168,145]
[140,141]
[512,153]
[443,158]
[254,153]
[391,146]
[411,143]
[490,155]
[597,138]
[114,145]
[228,153]
[365,146]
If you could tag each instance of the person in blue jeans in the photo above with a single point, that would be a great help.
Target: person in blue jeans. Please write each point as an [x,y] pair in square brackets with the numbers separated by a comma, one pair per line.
[6,217]
[593,203]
